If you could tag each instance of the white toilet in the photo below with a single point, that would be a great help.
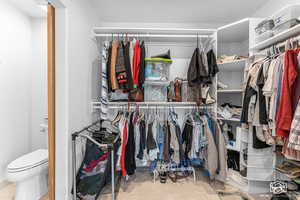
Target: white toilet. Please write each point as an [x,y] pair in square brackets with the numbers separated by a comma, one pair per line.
[30,173]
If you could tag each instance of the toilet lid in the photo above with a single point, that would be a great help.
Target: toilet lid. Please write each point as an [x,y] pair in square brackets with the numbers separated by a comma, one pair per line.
[30,160]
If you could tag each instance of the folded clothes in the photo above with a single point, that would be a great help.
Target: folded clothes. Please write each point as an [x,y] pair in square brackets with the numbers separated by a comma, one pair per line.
[221,85]
[228,111]
[225,58]
[118,95]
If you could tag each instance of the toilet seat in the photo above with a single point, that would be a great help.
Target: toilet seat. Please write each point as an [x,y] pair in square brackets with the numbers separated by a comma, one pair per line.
[29,161]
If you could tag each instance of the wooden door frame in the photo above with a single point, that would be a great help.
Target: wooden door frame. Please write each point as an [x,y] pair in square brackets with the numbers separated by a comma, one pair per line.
[51,99]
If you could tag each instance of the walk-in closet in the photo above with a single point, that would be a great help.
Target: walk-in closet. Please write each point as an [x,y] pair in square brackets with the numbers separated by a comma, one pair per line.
[181,108]
[150,100]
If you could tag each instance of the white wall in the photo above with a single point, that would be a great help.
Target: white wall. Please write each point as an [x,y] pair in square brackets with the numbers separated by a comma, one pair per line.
[23,80]
[73,83]
[15,54]
[75,63]
[38,84]
[272,6]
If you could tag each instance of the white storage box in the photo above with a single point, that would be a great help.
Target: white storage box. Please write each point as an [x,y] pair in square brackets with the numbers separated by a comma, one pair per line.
[286,14]
[260,174]
[157,69]
[260,161]
[156,91]
[284,26]
[260,152]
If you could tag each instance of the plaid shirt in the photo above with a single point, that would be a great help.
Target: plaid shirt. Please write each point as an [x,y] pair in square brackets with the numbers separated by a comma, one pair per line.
[294,138]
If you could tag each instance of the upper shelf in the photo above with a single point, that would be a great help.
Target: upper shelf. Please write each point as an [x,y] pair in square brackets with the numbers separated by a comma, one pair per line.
[237,65]
[155,34]
[235,32]
[294,31]
[184,31]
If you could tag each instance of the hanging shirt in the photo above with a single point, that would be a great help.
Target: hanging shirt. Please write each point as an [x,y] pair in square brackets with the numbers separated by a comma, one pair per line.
[285,109]
[294,138]
[104,82]
[136,63]
[124,141]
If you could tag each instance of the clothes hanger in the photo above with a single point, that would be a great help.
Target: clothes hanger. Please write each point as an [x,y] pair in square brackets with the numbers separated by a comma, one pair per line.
[126,38]
[118,117]
[197,40]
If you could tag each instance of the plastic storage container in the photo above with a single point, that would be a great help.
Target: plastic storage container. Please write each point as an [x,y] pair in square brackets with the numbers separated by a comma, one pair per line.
[264,26]
[156,91]
[287,14]
[157,69]
[284,26]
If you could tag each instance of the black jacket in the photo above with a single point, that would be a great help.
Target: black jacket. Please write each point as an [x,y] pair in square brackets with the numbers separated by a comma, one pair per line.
[196,72]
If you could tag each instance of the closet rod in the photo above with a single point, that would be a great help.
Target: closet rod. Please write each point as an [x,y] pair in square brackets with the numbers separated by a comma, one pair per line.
[157,106]
[155,35]
[161,107]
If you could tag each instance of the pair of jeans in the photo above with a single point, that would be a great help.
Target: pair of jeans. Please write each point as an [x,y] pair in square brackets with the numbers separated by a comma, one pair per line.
[161,142]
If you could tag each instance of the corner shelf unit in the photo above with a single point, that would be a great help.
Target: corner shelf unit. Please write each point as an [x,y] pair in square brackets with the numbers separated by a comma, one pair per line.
[236,39]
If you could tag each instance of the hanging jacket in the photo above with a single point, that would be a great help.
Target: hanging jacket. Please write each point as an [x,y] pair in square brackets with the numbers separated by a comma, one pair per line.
[142,128]
[212,65]
[197,72]
[112,75]
[222,149]
[142,64]
[121,73]
[126,48]
[187,137]
[130,164]
[151,144]
[108,68]
[210,153]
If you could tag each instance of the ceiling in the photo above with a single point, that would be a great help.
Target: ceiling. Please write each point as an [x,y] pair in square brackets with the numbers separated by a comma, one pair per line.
[30,7]
[175,11]
[216,12]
